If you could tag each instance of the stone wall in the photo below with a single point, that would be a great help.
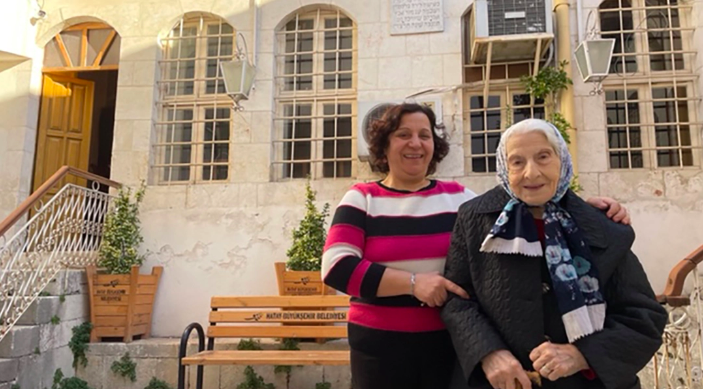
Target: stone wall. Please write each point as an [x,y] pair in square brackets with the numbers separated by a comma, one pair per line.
[159,358]
[38,344]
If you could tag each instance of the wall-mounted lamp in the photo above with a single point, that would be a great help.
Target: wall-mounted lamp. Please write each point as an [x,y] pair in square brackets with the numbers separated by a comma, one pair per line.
[593,58]
[238,74]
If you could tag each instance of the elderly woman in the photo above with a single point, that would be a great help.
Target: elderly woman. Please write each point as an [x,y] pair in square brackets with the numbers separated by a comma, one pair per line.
[387,247]
[554,286]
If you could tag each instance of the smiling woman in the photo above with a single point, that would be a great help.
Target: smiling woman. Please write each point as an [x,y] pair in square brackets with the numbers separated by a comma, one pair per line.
[541,266]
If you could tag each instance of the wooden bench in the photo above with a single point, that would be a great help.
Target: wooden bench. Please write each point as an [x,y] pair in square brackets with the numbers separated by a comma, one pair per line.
[266,317]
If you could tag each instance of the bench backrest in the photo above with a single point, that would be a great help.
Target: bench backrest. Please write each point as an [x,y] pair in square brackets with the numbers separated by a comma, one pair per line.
[265,316]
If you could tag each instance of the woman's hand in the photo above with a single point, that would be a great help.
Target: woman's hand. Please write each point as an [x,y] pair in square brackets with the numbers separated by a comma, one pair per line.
[431,289]
[502,370]
[554,361]
[615,210]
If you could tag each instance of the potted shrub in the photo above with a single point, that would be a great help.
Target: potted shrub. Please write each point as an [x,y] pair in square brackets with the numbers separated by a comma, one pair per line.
[300,275]
[121,299]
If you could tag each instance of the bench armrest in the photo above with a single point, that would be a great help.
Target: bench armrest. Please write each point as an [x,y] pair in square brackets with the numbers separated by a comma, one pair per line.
[182,353]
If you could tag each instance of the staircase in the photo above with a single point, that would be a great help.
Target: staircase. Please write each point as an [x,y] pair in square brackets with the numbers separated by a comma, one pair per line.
[40,238]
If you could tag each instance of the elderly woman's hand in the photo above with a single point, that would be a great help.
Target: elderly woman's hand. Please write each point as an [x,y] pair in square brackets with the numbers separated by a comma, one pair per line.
[615,210]
[554,361]
[431,288]
[502,370]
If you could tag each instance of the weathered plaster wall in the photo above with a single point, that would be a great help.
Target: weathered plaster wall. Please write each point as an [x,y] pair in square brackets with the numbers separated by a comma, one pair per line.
[224,238]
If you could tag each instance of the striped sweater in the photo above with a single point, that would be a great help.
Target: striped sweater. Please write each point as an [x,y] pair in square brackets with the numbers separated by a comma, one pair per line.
[376,227]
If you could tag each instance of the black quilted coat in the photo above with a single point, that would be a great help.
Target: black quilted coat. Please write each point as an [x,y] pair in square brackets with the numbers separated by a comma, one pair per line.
[512,307]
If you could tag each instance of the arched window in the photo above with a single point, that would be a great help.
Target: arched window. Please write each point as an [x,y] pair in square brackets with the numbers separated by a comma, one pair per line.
[650,96]
[315,95]
[193,131]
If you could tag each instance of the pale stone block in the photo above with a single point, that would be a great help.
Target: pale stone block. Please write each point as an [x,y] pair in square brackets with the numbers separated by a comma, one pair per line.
[130,168]
[590,184]
[592,151]
[579,122]
[594,107]
[453,163]
[139,48]
[161,14]
[632,185]
[123,136]
[265,66]
[275,13]
[241,127]
[452,69]
[449,41]
[211,376]
[94,373]
[75,307]
[141,135]
[250,163]
[684,187]
[143,73]
[261,97]
[212,196]
[197,5]
[367,73]
[281,193]
[361,11]
[427,71]
[261,126]
[53,336]
[8,369]
[40,311]
[159,197]
[135,102]
[20,341]
[394,73]
[167,370]
[267,41]
[28,377]
[68,282]
[417,44]
[374,41]
[238,14]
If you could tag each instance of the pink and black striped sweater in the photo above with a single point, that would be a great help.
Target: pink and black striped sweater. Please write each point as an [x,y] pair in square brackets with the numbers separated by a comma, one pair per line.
[376,227]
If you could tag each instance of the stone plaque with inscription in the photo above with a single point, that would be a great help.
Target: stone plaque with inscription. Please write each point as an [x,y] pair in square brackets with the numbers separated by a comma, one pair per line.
[416,16]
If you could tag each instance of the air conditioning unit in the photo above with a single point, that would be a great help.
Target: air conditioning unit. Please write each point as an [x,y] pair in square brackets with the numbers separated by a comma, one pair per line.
[368,111]
[516,29]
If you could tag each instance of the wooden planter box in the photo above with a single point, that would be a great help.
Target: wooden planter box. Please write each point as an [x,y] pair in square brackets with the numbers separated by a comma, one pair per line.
[300,283]
[121,304]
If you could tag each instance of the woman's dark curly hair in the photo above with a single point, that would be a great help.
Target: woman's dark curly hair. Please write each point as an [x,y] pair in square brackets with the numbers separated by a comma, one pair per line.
[382,129]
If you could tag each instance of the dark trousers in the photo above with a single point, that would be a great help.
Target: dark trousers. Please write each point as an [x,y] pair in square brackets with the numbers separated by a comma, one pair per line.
[399,360]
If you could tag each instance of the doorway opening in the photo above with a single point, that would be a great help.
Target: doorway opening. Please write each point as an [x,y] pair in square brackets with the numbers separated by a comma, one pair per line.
[77,112]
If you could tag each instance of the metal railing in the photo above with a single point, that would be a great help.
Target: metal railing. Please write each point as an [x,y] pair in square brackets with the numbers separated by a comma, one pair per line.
[678,363]
[63,232]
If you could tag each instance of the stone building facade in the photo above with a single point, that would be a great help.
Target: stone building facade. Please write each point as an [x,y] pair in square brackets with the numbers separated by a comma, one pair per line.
[226,187]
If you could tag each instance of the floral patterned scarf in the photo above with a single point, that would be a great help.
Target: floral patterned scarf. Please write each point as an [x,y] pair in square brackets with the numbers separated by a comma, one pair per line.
[574,278]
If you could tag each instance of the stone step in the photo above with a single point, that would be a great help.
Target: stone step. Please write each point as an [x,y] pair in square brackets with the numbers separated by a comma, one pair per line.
[8,369]
[20,341]
[68,282]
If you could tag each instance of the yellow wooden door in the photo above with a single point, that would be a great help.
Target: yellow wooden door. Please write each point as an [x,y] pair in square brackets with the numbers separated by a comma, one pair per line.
[63,136]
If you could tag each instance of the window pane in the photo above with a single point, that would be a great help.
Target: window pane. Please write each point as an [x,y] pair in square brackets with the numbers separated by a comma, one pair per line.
[72,42]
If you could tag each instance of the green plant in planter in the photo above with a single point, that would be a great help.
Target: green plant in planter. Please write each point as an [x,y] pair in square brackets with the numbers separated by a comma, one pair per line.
[309,238]
[122,234]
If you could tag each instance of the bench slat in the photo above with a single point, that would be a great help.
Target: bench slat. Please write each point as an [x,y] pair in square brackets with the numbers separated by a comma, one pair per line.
[269,357]
[276,316]
[280,301]
[277,332]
